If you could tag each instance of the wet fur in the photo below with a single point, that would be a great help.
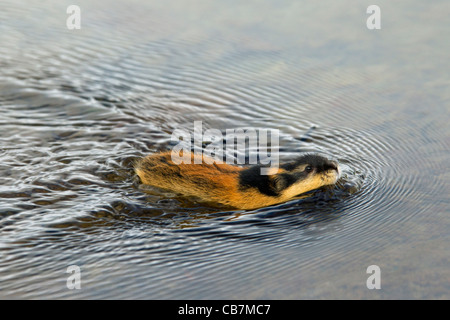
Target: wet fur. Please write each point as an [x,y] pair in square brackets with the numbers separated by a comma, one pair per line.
[243,188]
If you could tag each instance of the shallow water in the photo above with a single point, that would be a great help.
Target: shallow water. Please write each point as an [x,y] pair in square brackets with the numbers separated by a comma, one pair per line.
[78,107]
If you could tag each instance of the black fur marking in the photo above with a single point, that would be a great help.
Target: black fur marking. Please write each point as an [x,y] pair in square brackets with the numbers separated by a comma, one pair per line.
[290,166]
[252,178]
[275,184]
[288,179]
[318,162]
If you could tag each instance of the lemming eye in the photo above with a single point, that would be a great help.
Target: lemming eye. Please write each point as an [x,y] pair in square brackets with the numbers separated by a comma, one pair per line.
[308,169]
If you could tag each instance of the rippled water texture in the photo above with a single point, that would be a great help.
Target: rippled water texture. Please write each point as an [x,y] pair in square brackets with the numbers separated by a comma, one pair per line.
[78,107]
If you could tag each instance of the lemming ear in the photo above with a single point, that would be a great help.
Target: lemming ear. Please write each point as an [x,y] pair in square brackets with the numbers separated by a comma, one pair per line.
[278,182]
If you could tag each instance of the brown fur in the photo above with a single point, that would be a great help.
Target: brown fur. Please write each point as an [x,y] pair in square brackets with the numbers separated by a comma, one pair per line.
[217,183]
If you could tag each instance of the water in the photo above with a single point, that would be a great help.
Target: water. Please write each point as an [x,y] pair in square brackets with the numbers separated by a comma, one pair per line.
[79,106]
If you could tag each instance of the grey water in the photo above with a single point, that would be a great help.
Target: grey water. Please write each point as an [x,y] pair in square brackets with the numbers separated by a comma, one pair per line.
[78,107]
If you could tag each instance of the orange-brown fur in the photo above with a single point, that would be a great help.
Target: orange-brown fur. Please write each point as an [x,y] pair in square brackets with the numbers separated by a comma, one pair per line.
[215,182]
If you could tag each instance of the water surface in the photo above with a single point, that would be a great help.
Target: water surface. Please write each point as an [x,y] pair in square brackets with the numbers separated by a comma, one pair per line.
[78,107]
